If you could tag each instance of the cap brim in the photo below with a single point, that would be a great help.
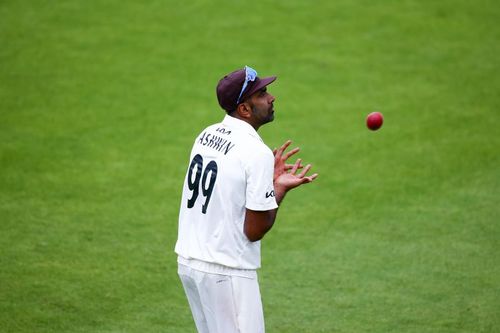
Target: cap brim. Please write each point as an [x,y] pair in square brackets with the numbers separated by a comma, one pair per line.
[261,83]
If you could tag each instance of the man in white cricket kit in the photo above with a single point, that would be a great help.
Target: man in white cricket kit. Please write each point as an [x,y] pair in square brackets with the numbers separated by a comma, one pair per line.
[232,190]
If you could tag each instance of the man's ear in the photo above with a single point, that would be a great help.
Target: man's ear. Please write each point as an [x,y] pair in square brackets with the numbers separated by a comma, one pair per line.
[244,110]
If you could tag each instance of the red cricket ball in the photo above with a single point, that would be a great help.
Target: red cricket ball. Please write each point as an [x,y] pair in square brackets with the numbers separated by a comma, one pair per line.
[374,120]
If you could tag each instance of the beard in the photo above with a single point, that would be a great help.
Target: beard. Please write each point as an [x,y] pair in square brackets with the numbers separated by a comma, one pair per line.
[265,115]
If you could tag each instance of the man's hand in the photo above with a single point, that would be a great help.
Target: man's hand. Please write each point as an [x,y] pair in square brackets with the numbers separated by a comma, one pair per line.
[280,165]
[285,175]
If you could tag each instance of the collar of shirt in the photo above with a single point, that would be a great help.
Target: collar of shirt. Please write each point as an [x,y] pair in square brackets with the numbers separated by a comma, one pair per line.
[241,125]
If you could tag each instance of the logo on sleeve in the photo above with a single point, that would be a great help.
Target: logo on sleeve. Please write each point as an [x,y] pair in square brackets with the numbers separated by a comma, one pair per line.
[270,194]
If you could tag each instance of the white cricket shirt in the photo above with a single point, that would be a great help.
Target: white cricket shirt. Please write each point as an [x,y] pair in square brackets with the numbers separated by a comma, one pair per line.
[230,169]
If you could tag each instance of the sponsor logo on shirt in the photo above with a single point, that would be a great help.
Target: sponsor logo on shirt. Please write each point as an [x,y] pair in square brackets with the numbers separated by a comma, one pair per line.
[270,194]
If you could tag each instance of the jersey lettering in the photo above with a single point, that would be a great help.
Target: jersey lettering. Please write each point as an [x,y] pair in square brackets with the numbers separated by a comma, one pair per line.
[223,130]
[215,142]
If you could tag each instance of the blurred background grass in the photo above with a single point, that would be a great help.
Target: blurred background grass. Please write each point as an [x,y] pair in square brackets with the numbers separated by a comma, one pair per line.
[100,102]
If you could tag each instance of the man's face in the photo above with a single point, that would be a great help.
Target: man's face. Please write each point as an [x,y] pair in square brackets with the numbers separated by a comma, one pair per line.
[262,107]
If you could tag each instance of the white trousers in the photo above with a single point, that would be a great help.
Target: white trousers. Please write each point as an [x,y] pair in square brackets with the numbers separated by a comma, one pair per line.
[223,303]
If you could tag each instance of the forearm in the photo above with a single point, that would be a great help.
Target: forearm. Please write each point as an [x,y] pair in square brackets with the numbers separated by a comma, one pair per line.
[279,193]
[258,223]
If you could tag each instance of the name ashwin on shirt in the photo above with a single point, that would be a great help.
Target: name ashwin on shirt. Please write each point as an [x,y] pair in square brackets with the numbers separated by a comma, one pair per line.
[216,142]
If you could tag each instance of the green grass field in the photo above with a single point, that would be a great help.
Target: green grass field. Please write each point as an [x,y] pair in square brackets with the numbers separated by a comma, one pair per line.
[101,100]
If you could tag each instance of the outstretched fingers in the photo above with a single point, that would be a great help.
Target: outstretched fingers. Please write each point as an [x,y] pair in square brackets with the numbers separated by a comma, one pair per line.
[291,153]
[278,152]
[311,178]
[295,171]
[296,166]
[290,166]
[304,171]
[307,179]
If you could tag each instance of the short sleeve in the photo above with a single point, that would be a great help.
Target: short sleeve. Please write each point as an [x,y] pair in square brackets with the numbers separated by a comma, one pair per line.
[260,188]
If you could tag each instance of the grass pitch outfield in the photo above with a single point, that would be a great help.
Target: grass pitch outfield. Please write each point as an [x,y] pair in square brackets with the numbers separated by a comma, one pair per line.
[99,104]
